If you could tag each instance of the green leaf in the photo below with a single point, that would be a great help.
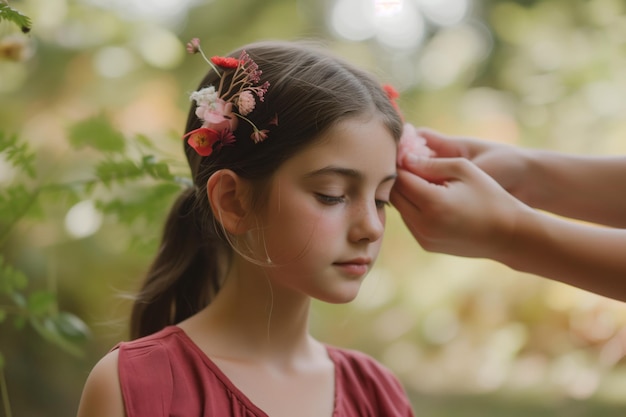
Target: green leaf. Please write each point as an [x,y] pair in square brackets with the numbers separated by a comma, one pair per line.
[97,133]
[3,315]
[144,140]
[54,329]
[19,322]
[11,279]
[71,327]
[12,15]
[19,299]
[40,303]
[149,204]
[119,171]
[18,154]
[156,169]
[16,201]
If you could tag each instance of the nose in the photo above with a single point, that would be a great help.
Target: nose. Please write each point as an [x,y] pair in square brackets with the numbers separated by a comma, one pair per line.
[367,223]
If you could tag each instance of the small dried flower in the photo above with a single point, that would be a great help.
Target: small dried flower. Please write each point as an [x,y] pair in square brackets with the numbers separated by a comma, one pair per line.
[193,46]
[226,139]
[246,102]
[259,136]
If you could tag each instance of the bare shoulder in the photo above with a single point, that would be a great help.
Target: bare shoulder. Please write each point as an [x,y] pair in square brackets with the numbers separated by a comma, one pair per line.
[102,395]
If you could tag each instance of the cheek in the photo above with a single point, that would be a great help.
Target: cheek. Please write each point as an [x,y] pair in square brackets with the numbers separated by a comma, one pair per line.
[297,226]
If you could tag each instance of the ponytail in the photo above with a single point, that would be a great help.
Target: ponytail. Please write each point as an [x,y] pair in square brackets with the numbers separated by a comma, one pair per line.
[185,273]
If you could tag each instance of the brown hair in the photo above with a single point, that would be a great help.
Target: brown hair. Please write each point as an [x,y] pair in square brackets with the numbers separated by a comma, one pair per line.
[310,91]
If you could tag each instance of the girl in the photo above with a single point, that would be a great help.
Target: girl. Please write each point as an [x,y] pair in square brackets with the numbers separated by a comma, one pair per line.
[293,156]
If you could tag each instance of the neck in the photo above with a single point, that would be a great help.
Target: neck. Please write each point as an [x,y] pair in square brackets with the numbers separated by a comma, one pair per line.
[252,319]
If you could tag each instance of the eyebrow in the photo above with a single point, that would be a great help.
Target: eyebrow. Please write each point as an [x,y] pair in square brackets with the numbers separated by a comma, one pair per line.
[345,172]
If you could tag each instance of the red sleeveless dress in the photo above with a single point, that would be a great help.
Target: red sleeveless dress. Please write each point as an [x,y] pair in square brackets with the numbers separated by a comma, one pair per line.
[166,374]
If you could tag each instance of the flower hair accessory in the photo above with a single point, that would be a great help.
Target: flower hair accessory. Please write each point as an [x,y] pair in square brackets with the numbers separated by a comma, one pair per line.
[220,115]
[392,95]
[412,143]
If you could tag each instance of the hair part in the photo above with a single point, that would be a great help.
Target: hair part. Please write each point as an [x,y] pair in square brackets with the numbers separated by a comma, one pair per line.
[310,91]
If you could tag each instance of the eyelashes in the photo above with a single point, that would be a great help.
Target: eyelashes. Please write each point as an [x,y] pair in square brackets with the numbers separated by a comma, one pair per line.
[331,200]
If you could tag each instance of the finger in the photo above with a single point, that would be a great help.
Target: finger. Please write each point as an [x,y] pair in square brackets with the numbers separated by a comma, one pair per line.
[416,190]
[402,203]
[436,170]
[442,145]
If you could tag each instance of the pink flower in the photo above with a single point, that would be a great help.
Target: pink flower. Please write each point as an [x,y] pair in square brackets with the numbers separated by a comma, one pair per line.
[193,46]
[246,102]
[217,115]
[259,135]
[412,143]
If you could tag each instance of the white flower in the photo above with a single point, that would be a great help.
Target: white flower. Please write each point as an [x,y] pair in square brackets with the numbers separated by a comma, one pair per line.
[207,95]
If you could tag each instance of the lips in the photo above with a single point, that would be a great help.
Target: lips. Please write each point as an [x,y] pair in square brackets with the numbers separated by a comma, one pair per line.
[356,266]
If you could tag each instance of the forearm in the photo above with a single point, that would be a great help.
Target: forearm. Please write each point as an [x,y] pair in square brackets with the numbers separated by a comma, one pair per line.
[585,256]
[586,188]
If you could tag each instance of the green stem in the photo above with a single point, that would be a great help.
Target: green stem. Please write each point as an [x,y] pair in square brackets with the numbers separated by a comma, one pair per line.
[4,393]
[209,61]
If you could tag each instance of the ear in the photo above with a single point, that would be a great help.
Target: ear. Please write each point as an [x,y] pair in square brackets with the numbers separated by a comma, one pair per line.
[228,194]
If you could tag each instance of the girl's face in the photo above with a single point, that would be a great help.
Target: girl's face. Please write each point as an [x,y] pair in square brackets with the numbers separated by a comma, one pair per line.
[324,221]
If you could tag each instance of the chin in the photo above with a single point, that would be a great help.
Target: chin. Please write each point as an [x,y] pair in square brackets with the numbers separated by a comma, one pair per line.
[340,297]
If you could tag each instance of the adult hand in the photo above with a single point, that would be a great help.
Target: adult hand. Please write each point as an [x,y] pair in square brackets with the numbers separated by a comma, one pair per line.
[452,206]
[506,164]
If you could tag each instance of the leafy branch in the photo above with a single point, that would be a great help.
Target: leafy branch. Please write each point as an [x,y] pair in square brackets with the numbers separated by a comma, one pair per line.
[23,198]
[10,14]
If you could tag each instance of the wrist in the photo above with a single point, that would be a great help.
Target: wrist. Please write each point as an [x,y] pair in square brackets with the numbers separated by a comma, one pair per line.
[529,167]
[519,237]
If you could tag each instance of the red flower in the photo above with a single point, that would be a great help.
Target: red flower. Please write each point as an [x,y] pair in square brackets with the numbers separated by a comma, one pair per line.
[202,140]
[225,62]
[205,140]
[393,94]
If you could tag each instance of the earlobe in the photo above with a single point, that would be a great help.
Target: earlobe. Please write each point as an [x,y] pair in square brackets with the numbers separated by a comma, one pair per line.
[227,194]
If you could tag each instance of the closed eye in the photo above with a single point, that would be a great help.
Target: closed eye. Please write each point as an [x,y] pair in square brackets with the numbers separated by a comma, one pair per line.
[329,199]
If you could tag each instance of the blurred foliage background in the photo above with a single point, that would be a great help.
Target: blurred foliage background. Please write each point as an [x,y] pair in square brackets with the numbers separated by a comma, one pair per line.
[92,105]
